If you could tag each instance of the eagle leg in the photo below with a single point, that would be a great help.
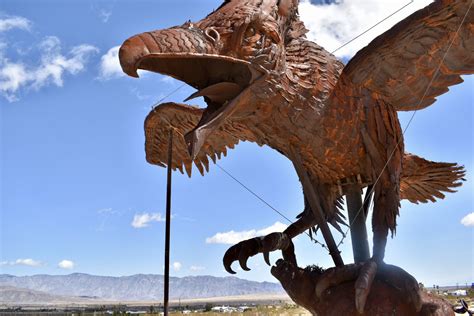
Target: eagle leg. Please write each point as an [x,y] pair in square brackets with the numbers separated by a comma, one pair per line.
[365,272]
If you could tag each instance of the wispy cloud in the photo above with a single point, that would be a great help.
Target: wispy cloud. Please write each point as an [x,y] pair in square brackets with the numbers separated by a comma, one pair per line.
[144,219]
[233,237]
[66,264]
[105,214]
[105,15]
[177,266]
[140,96]
[468,220]
[49,70]
[22,262]
[14,22]
[107,211]
[103,10]
[110,65]
[197,268]
[333,25]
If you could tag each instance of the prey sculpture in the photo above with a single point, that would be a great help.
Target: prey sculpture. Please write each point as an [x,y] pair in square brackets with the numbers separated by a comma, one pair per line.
[264,82]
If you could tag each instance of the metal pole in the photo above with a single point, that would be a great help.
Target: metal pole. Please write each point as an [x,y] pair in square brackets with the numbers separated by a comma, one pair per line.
[360,244]
[168,226]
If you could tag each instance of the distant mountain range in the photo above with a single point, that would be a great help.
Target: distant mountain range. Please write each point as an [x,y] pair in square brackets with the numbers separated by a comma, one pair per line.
[140,287]
[13,295]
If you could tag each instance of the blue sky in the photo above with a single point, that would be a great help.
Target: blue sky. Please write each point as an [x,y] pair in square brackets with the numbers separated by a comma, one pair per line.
[78,196]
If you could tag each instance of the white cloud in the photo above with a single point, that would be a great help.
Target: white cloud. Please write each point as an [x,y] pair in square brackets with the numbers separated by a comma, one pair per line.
[233,237]
[468,220]
[333,25]
[14,22]
[177,266]
[51,69]
[277,227]
[197,268]
[143,220]
[66,264]
[22,262]
[12,77]
[110,65]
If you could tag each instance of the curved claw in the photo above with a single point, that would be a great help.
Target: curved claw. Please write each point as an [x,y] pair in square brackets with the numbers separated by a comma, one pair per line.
[266,257]
[464,308]
[250,247]
[230,256]
[241,252]
[243,263]
[363,284]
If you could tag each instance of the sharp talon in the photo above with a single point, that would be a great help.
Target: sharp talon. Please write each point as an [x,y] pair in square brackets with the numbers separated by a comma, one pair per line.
[266,257]
[227,265]
[289,253]
[229,269]
[366,275]
[243,263]
[363,284]
[229,258]
[250,247]
[360,299]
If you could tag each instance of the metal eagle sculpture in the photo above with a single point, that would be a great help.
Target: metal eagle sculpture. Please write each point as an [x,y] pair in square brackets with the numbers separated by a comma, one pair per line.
[264,82]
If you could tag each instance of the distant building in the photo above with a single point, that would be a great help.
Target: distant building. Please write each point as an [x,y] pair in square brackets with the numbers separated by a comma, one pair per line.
[459,293]
[224,309]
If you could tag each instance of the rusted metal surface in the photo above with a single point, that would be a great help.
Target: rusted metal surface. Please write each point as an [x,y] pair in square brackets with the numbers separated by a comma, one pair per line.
[336,299]
[264,82]
[315,206]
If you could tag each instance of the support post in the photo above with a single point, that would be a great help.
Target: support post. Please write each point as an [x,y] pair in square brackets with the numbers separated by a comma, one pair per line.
[315,205]
[168,225]
[360,244]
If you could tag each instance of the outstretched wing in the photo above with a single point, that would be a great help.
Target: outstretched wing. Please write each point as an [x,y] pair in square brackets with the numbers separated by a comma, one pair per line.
[423,180]
[401,65]
[181,119]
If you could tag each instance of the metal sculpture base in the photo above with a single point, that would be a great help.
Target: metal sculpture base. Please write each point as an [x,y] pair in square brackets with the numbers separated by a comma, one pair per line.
[384,299]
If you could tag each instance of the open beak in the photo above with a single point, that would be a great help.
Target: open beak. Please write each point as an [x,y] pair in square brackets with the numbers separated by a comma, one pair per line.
[188,55]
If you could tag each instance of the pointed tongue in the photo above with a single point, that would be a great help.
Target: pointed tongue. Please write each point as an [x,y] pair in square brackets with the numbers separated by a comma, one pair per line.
[218,93]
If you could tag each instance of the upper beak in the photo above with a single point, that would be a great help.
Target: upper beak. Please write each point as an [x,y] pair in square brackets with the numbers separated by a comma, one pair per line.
[171,42]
